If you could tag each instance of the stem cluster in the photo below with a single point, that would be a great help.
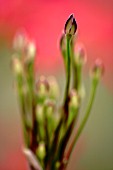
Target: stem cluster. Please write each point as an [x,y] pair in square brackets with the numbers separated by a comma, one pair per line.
[48,127]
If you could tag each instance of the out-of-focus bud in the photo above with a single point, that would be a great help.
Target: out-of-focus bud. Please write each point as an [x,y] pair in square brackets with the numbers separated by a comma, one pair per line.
[70,25]
[54,88]
[80,54]
[57,164]
[42,87]
[39,113]
[30,51]
[74,99]
[41,151]
[63,43]
[16,65]
[50,106]
[98,69]
[73,106]
[20,41]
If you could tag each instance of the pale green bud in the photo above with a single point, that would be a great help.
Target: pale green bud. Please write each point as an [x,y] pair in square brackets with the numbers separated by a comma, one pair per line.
[80,54]
[63,44]
[54,88]
[98,69]
[50,107]
[57,164]
[41,151]
[16,65]
[39,113]
[30,51]
[20,41]
[42,87]
[73,106]
[74,99]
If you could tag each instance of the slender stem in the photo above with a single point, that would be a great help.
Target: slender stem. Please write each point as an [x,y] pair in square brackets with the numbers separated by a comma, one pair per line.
[34,132]
[88,110]
[74,67]
[21,98]
[68,71]
[79,77]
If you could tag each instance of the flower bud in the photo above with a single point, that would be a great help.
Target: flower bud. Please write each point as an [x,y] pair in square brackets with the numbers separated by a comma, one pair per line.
[41,152]
[70,25]
[57,164]
[98,69]
[30,51]
[73,106]
[74,99]
[39,113]
[50,106]
[63,43]
[42,87]
[16,65]
[20,41]
[54,88]
[80,54]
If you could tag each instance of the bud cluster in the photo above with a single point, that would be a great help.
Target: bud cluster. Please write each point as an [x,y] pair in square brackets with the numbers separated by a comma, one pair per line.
[47,123]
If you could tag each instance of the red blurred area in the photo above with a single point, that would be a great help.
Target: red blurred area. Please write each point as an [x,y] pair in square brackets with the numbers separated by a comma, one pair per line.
[44,21]
[13,161]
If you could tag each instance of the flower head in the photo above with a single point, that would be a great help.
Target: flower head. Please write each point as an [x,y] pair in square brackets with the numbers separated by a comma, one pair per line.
[70,25]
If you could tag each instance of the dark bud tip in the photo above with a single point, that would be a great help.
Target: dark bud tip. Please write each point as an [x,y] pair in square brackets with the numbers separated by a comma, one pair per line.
[70,25]
[74,27]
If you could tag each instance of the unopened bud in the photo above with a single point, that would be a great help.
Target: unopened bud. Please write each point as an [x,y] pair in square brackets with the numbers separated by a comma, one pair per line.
[41,152]
[20,41]
[98,69]
[73,106]
[74,99]
[16,65]
[30,51]
[57,164]
[63,43]
[54,88]
[70,25]
[42,87]
[50,106]
[39,113]
[80,57]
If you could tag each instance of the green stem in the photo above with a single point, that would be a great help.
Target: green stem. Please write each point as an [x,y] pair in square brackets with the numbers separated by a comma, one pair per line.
[68,71]
[19,80]
[74,67]
[79,77]
[88,110]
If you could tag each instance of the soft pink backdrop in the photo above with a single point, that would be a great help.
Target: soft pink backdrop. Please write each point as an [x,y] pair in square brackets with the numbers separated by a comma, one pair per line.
[44,21]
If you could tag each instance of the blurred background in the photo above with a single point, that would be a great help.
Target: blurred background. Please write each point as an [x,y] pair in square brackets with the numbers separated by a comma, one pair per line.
[44,20]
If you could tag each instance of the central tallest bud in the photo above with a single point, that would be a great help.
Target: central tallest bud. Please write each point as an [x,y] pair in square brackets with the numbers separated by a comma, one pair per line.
[70,25]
